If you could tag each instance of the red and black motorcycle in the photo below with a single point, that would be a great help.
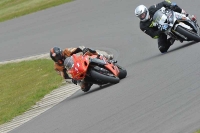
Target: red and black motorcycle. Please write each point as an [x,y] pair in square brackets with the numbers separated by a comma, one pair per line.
[94,69]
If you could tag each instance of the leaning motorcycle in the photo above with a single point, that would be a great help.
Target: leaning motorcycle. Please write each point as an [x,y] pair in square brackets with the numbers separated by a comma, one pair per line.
[180,27]
[94,69]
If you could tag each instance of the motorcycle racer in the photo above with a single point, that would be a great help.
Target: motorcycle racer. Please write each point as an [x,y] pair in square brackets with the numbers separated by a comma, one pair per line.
[59,56]
[87,70]
[157,32]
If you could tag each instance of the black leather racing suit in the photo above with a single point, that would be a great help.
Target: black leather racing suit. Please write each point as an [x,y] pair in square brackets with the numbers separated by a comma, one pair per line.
[154,32]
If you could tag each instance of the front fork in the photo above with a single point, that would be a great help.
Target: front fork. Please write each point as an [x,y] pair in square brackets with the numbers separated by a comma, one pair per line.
[183,17]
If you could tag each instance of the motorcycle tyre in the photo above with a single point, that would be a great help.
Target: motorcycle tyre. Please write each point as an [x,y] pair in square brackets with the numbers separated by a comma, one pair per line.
[190,34]
[107,79]
[122,72]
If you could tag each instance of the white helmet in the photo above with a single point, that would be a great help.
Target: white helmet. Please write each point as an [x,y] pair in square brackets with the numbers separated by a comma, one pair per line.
[142,13]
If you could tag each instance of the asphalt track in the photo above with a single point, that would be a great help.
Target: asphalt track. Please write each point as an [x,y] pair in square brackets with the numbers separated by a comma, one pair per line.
[161,93]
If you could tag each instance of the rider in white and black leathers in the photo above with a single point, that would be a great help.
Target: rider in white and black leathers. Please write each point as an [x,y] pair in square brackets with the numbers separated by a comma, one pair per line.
[145,15]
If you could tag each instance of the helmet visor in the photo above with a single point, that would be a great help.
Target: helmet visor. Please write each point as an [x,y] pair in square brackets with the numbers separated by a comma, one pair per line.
[143,15]
[56,56]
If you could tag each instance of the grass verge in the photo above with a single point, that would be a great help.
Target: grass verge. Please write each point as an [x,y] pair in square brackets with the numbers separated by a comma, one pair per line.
[23,84]
[10,9]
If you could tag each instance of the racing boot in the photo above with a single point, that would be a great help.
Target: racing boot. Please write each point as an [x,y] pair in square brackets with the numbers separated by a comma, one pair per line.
[107,56]
[164,48]
[110,56]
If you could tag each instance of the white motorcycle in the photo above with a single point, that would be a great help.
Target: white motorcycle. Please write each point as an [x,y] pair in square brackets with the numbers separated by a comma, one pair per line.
[180,27]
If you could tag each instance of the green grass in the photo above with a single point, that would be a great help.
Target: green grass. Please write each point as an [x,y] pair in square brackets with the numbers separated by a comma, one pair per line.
[15,8]
[23,84]
[198,131]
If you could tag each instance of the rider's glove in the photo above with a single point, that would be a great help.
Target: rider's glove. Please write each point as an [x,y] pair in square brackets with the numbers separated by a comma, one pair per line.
[183,12]
[165,27]
[85,50]
[173,6]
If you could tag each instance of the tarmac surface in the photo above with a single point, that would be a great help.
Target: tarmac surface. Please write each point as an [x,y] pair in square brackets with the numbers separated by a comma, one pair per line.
[161,93]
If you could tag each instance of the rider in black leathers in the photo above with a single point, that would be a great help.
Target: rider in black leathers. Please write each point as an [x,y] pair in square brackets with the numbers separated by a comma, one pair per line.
[145,15]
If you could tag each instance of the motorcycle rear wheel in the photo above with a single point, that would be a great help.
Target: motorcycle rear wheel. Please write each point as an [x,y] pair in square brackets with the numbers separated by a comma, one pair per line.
[190,34]
[103,78]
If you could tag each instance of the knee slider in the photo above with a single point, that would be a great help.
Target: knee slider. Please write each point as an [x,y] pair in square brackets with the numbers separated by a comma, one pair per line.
[163,49]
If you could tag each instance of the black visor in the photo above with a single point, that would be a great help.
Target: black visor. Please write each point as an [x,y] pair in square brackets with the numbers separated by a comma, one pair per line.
[58,57]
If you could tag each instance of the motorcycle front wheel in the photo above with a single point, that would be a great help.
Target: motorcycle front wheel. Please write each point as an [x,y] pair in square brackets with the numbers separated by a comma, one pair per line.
[188,33]
[122,72]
